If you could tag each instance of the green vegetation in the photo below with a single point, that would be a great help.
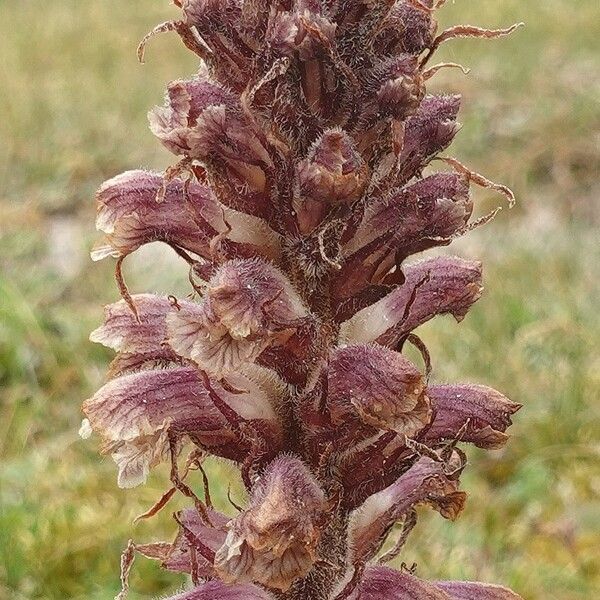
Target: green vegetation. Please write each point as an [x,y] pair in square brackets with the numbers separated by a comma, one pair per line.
[73,113]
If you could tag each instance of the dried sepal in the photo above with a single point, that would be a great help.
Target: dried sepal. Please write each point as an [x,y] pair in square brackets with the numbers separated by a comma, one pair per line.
[274,541]
[193,549]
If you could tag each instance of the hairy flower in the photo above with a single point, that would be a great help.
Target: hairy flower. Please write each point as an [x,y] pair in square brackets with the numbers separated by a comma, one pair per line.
[274,540]
[297,200]
[248,306]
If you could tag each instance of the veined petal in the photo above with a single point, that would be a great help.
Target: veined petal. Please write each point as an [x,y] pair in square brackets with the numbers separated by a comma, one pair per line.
[485,412]
[122,332]
[246,295]
[248,306]
[470,590]
[217,590]
[274,541]
[379,386]
[383,583]
[426,481]
[442,285]
[133,414]
[130,216]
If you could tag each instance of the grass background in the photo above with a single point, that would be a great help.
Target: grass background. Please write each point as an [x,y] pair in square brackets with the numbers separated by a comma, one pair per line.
[73,101]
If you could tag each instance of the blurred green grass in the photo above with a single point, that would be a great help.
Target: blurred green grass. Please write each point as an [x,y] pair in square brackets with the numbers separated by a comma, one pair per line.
[73,105]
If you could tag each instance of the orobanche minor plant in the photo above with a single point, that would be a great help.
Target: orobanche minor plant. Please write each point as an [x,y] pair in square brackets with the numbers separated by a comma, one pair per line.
[298,197]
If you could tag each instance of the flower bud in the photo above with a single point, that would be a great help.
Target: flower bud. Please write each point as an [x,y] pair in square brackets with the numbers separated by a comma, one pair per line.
[440,285]
[470,590]
[407,29]
[429,131]
[273,542]
[331,174]
[382,583]
[215,14]
[401,88]
[302,32]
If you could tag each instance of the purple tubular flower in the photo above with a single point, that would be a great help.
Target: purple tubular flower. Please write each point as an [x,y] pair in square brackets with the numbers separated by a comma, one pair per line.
[427,481]
[430,212]
[484,413]
[188,217]
[297,200]
[377,387]
[437,286]
[381,583]
[216,590]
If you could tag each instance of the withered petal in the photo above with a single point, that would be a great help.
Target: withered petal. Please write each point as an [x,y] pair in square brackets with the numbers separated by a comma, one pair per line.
[273,541]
